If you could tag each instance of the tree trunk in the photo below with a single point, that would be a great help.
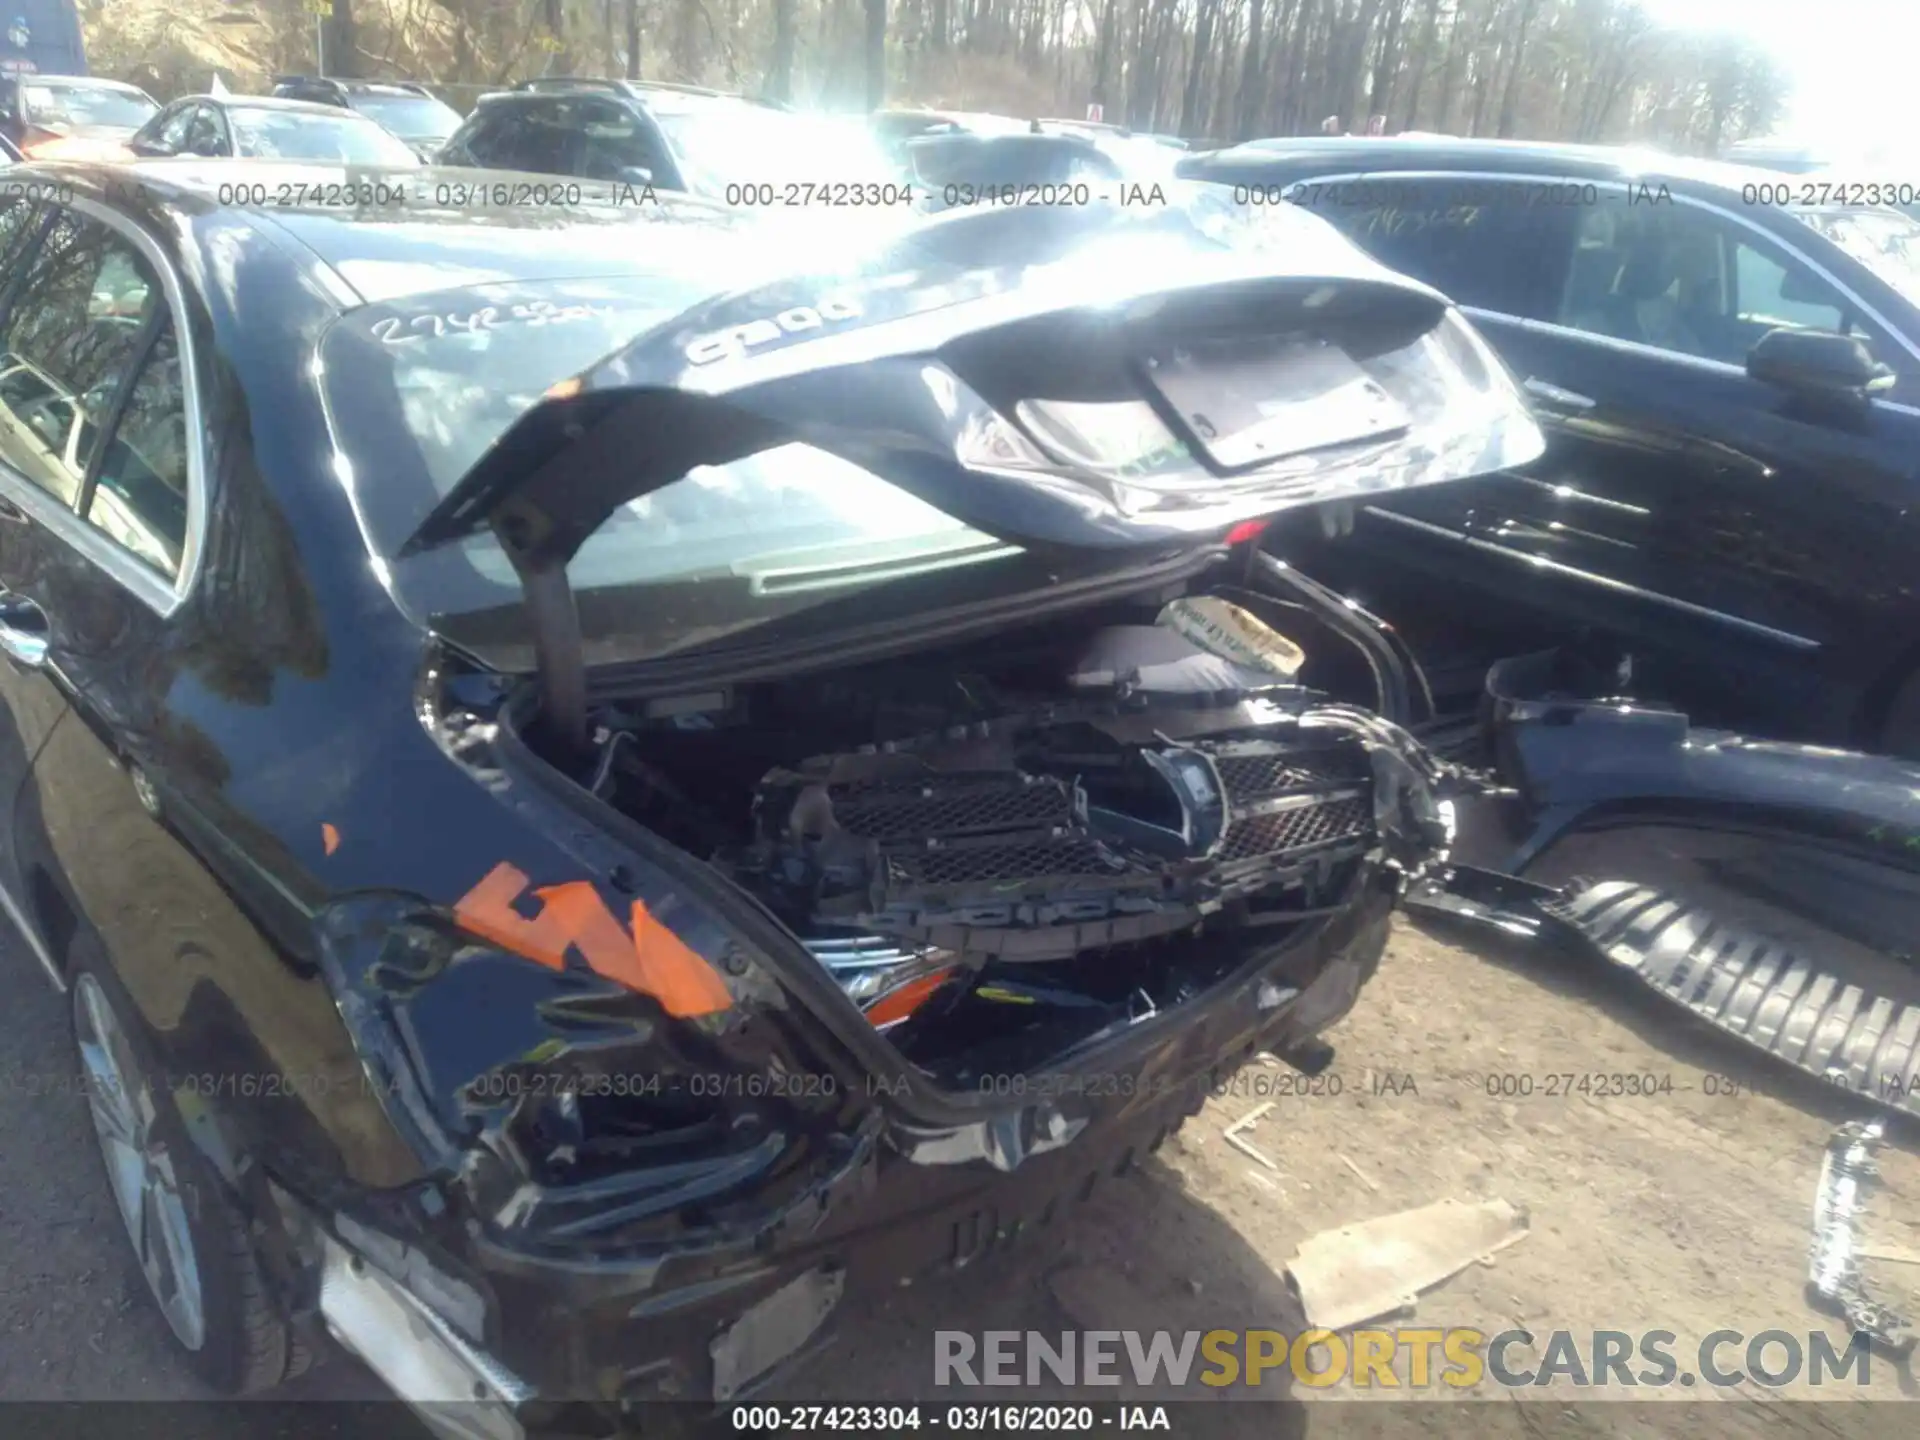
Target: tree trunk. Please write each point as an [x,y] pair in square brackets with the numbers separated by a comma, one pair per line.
[1352,72]
[633,39]
[559,58]
[1458,44]
[1422,58]
[342,50]
[876,53]
[1247,113]
[780,73]
[1190,110]
[1386,64]
[1511,98]
[1103,52]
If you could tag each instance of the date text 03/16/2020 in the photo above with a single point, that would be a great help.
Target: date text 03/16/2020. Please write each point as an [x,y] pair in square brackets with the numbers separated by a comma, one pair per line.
[958,1419]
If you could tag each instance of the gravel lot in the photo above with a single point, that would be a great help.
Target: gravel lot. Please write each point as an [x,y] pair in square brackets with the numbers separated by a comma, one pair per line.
[1685,1210]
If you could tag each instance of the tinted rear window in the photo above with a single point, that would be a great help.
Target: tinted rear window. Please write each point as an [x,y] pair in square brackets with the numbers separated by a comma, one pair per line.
[417,395]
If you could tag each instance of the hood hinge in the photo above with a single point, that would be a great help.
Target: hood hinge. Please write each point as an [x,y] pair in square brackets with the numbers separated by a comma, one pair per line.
[557,647]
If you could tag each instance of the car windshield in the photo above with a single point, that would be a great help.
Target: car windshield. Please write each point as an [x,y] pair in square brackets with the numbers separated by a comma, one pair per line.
[1885,241]
[85,106]
[312,135]
[726,141]
[415,116]
[417,394]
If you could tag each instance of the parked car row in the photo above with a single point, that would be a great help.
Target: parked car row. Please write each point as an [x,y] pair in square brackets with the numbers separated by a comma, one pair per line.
[726,147]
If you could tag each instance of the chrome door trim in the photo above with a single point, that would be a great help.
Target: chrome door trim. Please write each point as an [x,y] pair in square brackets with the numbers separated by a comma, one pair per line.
[1611,342]
[1603,582]
[1551,394]
[1569,492]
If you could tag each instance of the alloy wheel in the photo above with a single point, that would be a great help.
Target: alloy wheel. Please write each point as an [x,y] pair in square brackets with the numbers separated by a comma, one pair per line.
[140,1165]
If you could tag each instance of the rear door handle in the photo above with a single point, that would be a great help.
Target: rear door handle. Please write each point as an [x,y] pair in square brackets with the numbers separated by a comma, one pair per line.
[1554,397]
[23,631]
[11,512]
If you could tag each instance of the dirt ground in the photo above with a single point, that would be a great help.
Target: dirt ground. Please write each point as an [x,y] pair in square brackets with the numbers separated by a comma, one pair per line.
[1686,1210]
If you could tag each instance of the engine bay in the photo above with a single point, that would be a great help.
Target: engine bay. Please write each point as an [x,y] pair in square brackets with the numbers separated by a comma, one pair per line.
[1000,850]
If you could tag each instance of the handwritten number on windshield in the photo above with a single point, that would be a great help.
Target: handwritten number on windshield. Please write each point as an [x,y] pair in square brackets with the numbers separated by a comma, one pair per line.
[395,331]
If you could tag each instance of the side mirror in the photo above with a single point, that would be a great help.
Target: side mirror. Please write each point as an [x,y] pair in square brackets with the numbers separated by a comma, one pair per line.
[636,175]
[1819,364]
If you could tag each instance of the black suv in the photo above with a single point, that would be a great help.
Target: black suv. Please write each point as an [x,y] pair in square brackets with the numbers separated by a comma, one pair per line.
[1727,362]
[674,137]
[409,110]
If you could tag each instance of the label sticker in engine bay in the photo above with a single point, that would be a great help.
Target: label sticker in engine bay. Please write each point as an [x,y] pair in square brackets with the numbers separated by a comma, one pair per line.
[1224,629]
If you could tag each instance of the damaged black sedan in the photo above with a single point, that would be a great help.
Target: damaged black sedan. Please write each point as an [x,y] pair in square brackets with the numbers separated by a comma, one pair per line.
[594,798]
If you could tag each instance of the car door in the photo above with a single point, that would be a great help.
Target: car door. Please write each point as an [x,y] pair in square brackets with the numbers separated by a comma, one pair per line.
[29,706]
[1758,535]
[79,323]
[1699,514]
[122,834]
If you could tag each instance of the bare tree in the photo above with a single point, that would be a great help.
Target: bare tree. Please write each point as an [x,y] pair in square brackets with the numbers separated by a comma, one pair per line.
[780,72]
[876,53]
[1587,70]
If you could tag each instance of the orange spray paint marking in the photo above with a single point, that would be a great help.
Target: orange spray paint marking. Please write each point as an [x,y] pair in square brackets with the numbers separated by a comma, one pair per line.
[651,959]
[899,1004]
[329,837]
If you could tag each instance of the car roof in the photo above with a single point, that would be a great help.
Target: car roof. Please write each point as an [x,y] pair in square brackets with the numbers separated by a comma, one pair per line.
[270,102]
[433,241]
[360,87]
[75,82]
[1611,162]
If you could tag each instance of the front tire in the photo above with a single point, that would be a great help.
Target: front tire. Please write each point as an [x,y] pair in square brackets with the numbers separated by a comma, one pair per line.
[189,1240]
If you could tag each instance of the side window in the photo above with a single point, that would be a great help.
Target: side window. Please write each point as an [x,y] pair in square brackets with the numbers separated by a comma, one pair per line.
[140,492]
[1766,292]
[613,141]
[173,134]
[77,326]
[16,226]
[540,138]
[205,135]
[1680,278]
[1478,242]
[479,141]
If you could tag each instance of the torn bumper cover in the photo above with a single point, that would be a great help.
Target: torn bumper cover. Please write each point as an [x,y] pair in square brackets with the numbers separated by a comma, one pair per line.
[1828,837]
[640,1316]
